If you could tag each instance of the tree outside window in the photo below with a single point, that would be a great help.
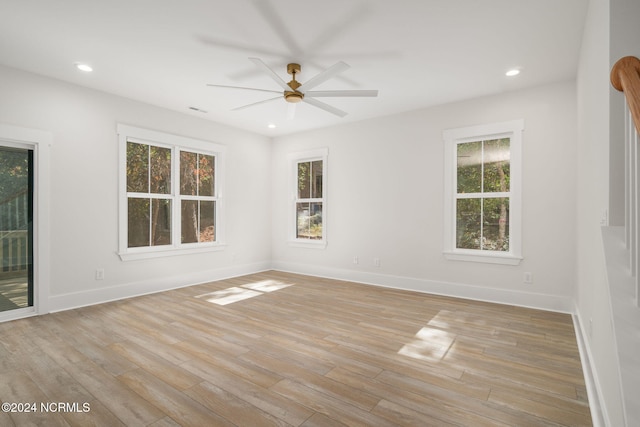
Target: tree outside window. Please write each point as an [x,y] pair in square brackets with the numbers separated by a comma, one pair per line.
[483,193]
[150,197]
[197,189]
[170,190]
[307,225]
[482,205]
[309,200]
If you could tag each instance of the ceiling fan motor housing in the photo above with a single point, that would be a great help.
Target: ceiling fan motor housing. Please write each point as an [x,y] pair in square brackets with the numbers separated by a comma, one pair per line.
[293,96]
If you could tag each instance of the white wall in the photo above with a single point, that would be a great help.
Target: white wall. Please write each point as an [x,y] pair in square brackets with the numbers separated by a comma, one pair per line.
[385,200]
[592,296]
[84,184]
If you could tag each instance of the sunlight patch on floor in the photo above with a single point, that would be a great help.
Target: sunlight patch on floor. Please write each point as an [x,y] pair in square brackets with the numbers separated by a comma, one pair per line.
[266,286]
[429,344]
[14,293]
[239,293]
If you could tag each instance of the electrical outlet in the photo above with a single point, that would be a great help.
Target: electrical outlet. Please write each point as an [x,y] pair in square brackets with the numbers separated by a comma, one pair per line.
[100,274]
[376,262]
[528,277]
[604,218]
[356,260]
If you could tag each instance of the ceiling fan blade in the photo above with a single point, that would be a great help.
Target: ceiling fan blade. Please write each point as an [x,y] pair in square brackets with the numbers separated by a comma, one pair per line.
[256,103]
[215,42]
[324,76]
[344,22]
[278,25]
[340,93]
[291,111]
[326,107]
[244,88]
[264,67]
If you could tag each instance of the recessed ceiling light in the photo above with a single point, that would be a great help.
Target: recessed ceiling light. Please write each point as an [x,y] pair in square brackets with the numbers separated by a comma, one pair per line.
[84,67]
[271,126]
[513,72]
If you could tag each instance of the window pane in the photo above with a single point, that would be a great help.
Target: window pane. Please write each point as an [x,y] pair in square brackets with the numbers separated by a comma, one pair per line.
[304,180]
[138,225]
[316,179]
[188,173]
[161,222]
[160,177]
[189,212]
[468,225]
[137,167]
[206,175]
[207,221]
[495,224]
[16,231]
[496,165]
[309,220]
[469,171]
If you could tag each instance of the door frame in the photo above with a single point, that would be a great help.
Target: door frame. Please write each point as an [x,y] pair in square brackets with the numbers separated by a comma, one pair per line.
[40,142]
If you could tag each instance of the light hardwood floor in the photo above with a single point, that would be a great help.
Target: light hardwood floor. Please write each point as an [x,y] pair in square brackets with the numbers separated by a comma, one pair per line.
[297,351]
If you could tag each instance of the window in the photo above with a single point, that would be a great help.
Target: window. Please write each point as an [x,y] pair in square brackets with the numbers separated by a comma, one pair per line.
[198,202]
[170,195]
[308,227]
[482,193]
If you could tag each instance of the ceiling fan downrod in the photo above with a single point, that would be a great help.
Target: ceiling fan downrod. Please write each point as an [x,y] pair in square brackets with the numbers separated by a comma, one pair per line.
[293,96]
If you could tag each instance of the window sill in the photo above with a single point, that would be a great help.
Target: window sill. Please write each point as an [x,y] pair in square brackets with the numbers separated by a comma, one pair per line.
[313,244]
[488,258]
[159,253]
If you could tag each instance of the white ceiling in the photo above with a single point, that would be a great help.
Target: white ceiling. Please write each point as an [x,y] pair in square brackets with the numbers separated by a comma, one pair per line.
[417,53]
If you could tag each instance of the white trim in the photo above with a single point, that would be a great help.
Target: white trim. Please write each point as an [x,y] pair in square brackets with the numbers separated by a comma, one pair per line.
[73,300]
[177,144]
[162,251]
[599,416]
[18,313]
[556,303]
[310,244]
[625,319]
[40,142]
[488,257]
[293,160]
[512,129]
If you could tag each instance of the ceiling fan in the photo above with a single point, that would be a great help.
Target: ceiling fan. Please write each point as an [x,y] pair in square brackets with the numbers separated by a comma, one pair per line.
[295,92]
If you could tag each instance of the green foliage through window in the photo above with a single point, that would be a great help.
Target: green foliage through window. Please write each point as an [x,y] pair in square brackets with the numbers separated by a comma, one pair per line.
[309,204]
[151,197]
[483,185]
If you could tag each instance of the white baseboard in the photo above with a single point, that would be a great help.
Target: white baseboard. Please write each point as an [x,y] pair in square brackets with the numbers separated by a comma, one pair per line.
[502,296]
[97,296]
[478,293]
[598,409]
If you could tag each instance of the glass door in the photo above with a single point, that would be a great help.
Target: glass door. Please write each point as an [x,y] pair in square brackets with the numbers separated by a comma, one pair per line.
[16,228]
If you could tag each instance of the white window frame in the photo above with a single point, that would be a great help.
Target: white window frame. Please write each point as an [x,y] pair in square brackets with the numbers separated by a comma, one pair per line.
[294,159]
[177,144]
[453,137]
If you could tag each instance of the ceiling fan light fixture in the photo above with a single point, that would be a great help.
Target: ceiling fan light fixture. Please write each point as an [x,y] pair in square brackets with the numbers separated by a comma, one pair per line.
[293,96]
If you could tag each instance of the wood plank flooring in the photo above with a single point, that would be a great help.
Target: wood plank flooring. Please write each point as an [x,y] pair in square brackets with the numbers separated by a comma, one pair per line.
[278,349]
